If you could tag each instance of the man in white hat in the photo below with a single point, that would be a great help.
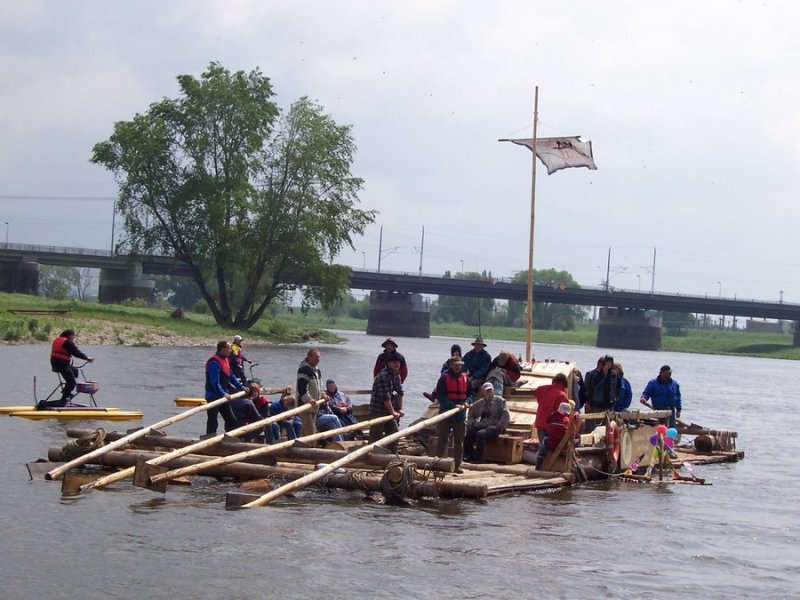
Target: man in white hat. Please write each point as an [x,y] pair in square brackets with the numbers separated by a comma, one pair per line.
[486,421]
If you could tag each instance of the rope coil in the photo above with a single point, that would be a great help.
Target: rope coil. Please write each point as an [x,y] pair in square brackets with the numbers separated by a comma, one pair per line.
[84,444]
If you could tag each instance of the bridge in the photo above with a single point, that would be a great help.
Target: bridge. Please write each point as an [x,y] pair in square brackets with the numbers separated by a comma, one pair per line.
[126,276]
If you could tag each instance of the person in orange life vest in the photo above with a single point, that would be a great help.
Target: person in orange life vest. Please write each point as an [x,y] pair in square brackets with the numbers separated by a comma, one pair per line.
[549,397]
[390,348]
[556,427]
[509,363]
[220,382]
[61,353]
[455,350]
[453,390]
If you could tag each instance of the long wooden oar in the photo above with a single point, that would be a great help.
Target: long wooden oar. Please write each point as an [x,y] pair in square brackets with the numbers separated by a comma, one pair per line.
[162,478]
[81,460]
[320,473]
[177,453]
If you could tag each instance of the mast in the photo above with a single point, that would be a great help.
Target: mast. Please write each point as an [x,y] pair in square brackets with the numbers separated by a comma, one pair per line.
[529,325]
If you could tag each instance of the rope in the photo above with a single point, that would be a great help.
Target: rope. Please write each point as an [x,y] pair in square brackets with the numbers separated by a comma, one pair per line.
[83,445]
[402,487]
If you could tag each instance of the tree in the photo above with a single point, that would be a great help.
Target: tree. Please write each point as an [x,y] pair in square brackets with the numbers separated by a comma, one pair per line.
[255,202]
[546,315]
[58,282]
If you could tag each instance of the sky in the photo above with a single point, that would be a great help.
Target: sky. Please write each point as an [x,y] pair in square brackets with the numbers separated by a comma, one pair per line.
[691,108]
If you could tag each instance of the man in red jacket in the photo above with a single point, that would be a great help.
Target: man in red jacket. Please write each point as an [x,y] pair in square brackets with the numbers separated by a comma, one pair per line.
[549,397]
[61,353]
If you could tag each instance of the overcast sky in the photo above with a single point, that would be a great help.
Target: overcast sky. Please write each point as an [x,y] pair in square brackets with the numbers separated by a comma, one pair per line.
[691,108]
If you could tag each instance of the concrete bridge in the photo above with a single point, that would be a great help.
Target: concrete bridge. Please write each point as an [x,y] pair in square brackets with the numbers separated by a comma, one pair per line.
[627,318]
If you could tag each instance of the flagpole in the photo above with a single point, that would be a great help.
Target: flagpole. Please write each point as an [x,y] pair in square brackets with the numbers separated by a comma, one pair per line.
[529,332]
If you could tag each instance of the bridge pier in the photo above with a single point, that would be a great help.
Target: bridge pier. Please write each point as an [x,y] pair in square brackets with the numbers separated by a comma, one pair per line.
[398,314]
[631,329]
[117,285]
[797,333]
[20,276]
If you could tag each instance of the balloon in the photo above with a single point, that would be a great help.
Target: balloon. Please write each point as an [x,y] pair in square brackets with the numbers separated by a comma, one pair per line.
[669,442]
[672,433]
[654,439]
[661,429]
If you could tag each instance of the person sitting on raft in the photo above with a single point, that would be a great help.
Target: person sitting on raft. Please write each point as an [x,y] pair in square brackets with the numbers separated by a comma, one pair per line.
[293,426]
[509,363]
[61,353]
[486,421]
[556,427]
[342,407]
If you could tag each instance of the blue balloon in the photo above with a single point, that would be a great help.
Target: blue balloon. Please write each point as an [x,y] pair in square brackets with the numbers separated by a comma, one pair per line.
[672,433]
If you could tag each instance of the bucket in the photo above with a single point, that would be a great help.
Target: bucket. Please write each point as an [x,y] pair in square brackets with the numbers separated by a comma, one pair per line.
[87,387]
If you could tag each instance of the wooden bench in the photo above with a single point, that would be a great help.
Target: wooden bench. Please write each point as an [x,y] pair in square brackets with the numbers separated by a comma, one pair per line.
[38,311]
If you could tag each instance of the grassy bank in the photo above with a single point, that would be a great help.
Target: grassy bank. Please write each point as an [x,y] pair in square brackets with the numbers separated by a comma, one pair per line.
[138,326]
[133,325]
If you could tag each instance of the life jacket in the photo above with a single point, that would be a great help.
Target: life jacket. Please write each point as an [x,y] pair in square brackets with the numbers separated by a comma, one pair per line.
[58,351]
[225,372]
[456,386]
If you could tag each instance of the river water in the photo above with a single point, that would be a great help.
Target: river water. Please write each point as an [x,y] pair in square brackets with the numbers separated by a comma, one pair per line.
[736,538]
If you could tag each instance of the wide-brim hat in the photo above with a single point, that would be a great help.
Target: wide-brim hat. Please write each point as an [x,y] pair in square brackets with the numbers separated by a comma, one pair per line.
[479,340]
[389,341]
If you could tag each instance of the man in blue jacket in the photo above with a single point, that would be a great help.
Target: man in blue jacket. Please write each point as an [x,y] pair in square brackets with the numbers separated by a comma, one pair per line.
[220,382]
[665,394]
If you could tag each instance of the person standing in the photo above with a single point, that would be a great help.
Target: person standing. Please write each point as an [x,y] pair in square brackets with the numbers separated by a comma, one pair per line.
[485,422]
[62,350]
[390,348]
[220,382]
[665,394]
[625,391]
[452,390]
[387,399]
[309,389]
[477,363]
[605,387]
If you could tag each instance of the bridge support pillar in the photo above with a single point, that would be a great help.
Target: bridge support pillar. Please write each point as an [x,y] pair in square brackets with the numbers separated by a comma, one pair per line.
[20,277]
[797,333]
[629,328]
[117,285]
[398,314]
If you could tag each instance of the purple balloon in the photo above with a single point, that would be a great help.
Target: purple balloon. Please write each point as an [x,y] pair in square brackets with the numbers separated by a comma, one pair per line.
[654,439]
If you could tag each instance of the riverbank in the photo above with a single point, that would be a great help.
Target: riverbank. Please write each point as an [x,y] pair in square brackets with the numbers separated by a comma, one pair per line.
[38,320]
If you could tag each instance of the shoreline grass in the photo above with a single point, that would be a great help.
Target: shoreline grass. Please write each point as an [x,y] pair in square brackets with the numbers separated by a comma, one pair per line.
[144,326]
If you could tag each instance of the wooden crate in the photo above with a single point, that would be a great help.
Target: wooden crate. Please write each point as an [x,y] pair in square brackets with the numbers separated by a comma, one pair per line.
[506,449]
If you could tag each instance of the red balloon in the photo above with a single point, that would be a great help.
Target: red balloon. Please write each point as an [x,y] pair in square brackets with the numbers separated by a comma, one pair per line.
[669,442]
[661,429]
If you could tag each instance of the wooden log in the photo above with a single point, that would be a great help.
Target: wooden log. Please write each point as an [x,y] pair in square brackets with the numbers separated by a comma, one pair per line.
[83,459]
[262,451]
[319,474]
[521,470]
[347,481]
[311,456]
[196,446]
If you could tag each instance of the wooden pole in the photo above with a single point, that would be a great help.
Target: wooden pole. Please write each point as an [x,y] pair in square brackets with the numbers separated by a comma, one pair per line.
[271,449]
[320,473]
[529,325]
[191,448]
[80,460]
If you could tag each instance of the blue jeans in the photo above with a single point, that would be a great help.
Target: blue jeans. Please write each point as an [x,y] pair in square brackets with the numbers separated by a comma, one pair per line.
[328,422]
[293,427]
